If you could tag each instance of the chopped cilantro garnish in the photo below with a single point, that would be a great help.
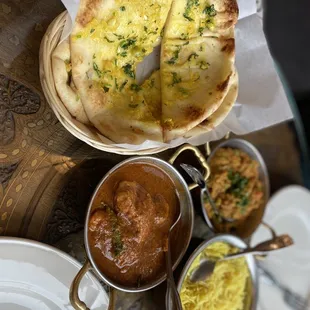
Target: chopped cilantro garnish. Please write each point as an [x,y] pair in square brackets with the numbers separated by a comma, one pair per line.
[244,201]
[189,5]
[122,8]
[187,17]
[210,10]
[92,30]
[97,70]
[135,87]
[183,90]
[128,70]
[238,183]
[123,85]
[117,243]
[120,37]
[193,55]
[126,43]
[106,87]
[175,56]
[110,41]
[204,65]
[175,79]
[209,24]
[184,36]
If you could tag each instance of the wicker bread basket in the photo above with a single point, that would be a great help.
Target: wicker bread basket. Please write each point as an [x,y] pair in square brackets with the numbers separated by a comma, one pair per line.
[85,133]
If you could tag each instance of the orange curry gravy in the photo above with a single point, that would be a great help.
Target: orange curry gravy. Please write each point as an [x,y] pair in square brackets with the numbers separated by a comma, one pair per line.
[129,223]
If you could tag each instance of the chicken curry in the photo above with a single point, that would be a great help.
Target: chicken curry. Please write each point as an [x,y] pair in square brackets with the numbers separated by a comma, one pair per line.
[129,223]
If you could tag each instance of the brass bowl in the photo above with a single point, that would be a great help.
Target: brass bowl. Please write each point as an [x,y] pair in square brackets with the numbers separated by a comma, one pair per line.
[244,228]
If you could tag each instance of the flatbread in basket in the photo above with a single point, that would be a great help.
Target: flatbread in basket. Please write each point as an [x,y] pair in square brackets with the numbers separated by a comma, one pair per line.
[95,70]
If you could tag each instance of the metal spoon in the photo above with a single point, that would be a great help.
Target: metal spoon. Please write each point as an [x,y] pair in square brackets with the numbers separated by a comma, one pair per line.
[206,267]
[171,287]
[198,178]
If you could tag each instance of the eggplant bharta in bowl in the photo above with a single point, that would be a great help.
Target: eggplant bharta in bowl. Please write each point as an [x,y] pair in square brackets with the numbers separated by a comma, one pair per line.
[129,224]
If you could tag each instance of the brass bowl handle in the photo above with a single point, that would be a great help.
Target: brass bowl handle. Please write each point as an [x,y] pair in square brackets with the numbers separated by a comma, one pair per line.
[76,303]
[202,160]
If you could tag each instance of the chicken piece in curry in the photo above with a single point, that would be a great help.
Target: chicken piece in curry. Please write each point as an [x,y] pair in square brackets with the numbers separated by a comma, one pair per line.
[129,224]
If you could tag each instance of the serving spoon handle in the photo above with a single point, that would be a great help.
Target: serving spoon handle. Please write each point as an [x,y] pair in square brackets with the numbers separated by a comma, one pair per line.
[172,294]
[277,243]
[206,267]
[198,178]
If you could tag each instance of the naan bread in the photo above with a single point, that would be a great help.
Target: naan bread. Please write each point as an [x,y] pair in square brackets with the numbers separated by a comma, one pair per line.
[152,92]
[196,75]
[131,125]
[109,39]
[197,62]
[194,89]
[193,18]
[220,114]
[61,66]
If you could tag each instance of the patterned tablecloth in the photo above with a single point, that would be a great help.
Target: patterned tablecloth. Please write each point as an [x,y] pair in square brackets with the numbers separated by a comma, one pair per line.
[46,175]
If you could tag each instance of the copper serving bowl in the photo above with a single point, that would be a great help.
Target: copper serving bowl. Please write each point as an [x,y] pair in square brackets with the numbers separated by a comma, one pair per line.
[247,227]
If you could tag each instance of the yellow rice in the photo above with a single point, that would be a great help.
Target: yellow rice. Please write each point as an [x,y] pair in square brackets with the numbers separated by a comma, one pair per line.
[224,289]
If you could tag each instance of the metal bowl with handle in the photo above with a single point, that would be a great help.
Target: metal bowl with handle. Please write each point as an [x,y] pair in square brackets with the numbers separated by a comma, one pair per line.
[251,255]
[250,300]
[180,237]
[246,228]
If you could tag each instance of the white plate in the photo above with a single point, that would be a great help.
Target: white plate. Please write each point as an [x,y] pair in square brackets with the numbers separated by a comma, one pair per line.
[34,276]
[288,212]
